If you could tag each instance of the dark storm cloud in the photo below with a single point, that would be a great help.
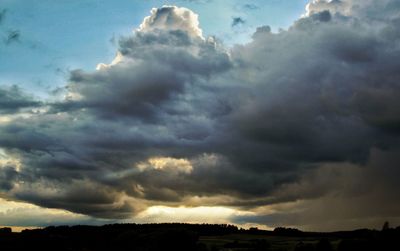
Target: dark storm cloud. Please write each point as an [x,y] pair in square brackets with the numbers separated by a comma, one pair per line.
[97,201]
[12,99]
[365,195]
[7,177]
[177,115]
[145,94]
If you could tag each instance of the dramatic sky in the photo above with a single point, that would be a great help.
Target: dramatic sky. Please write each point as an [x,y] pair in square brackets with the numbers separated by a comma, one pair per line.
[256,113]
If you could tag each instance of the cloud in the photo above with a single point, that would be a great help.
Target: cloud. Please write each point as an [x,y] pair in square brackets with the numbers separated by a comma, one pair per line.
[97,201]
[250,6]
[12,37]
[363,198]
[13,99]
[7,177]
[178,119]
[333,6]
[172,18]
[237,21]
[218,215]
[18,214]
[161,163]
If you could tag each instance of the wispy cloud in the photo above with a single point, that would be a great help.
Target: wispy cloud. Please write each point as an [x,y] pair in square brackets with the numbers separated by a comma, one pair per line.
[237,21]
[12,37]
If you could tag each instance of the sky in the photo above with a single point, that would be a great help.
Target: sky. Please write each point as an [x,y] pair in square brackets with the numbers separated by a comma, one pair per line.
[253,113]
[54,37]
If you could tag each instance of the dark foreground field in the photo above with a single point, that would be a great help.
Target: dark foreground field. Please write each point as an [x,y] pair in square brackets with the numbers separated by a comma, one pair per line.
[187,237]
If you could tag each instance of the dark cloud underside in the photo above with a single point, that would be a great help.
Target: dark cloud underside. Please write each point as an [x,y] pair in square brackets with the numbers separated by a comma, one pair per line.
[12,99]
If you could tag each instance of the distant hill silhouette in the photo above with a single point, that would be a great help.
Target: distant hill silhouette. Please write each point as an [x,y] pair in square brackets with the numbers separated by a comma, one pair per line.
[196,237]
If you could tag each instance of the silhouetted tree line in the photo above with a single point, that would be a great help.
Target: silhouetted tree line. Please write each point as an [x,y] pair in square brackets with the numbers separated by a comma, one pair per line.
[185,237]
[146,237]
[282,231]
[359,240]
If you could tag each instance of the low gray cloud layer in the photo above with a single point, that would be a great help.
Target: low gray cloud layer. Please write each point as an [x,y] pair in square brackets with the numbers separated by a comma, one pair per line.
[177,115]
[12,100]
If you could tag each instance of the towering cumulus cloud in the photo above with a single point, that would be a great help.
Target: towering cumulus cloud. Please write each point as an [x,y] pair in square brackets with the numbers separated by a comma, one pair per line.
[297,127]
[172,18]
[333,6]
